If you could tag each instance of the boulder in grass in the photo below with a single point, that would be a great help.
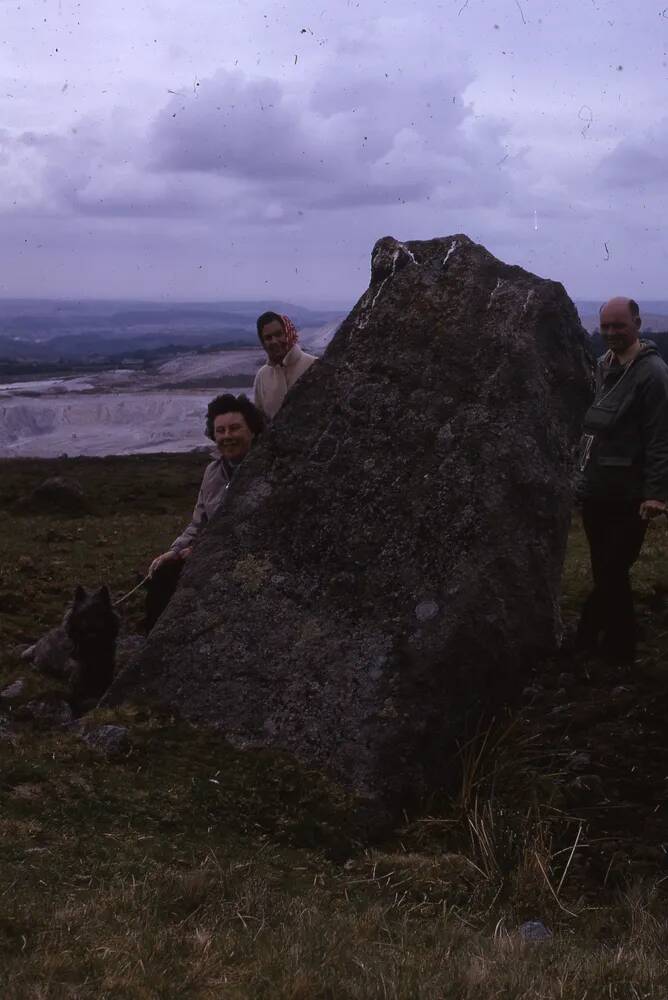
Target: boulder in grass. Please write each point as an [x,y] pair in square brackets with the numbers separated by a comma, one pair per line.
[389,556]
[109,740]
[13,690]
[56,495]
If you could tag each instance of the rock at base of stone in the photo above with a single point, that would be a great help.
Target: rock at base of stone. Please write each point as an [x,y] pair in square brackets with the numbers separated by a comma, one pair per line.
[109,740]
[388,559]
[534,930]
[13,690]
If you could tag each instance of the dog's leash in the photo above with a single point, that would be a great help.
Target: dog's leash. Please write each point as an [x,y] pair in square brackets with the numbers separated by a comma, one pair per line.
[131,592]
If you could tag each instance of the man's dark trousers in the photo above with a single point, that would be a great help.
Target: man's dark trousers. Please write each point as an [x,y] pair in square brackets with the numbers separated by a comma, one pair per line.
[615,532]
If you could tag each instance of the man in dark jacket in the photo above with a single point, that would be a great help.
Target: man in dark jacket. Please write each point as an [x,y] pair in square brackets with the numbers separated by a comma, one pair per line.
[624,469]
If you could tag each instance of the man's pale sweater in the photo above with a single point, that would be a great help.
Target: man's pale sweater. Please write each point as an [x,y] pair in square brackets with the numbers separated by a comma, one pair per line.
[273,381]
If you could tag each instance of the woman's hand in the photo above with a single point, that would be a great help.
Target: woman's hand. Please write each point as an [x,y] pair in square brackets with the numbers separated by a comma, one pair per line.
[168,556]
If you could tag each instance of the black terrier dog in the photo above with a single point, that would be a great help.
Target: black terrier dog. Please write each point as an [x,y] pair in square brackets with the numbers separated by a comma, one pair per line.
[81,650]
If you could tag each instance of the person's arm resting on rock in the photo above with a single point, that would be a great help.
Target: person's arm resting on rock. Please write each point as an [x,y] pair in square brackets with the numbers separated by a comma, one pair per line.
[182,546]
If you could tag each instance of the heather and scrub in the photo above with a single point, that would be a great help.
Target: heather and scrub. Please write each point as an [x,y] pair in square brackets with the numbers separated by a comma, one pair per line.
[185,868]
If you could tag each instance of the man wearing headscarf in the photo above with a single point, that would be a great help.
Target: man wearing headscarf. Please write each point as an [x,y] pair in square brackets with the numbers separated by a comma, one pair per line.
[286,362]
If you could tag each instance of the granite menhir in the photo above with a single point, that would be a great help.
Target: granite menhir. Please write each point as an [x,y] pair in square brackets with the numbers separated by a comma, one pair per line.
[389,555]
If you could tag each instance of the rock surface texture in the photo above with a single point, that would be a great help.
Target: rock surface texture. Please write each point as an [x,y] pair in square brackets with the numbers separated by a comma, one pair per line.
[389,555]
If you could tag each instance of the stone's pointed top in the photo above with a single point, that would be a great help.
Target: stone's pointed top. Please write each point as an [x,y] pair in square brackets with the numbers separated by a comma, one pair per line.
[388,257]
[441,273]
[398,564]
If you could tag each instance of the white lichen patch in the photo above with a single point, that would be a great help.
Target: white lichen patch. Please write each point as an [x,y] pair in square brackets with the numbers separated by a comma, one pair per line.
[395,257]
[412,256]
[527,301]
[499,285]
[453,247]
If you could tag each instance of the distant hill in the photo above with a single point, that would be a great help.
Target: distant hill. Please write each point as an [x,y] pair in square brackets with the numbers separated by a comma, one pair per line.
[654,314]
[52,331]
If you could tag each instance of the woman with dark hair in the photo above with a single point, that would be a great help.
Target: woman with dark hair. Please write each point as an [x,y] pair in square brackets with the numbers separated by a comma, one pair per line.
[286,362]
[233,423]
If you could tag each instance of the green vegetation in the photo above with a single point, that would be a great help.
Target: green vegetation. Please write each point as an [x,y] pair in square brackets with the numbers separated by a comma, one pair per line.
[139,504]
[184,868]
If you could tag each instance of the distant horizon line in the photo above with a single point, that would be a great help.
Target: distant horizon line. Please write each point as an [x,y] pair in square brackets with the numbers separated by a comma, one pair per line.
[157,300]
[309,304]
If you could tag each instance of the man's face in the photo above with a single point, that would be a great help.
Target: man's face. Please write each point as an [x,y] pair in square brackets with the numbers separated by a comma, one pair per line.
[619,329]
[275,341]
[232,435]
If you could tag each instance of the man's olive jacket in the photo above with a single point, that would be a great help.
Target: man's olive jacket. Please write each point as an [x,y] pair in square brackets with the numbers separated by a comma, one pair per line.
[625,444]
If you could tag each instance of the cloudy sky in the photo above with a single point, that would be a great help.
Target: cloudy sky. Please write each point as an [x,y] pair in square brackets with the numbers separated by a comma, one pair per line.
[247,149]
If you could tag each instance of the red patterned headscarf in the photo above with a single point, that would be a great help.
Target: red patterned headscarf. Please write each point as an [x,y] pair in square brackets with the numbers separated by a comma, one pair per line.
[290,330]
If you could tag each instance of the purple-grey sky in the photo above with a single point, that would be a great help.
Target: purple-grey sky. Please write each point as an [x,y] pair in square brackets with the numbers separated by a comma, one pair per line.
[240,149]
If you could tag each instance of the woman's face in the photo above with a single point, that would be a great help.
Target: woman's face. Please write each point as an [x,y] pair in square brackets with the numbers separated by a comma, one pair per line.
[275,341]
[232,435]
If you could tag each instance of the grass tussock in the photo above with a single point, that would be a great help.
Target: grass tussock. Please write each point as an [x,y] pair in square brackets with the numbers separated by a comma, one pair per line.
[185,868]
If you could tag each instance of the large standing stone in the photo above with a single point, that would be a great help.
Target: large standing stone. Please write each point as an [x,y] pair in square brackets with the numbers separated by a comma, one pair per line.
[390,553]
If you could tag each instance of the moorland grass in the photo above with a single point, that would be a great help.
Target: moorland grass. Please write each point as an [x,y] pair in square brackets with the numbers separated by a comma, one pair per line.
[185,868]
